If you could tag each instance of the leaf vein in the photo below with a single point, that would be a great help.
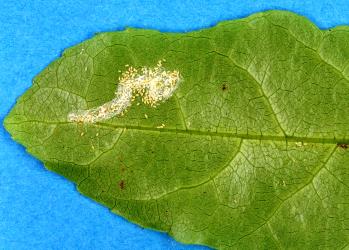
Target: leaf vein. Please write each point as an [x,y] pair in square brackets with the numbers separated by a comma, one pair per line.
[292,195]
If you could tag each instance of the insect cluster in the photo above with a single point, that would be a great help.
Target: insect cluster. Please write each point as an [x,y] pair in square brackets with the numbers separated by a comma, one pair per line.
[153,85]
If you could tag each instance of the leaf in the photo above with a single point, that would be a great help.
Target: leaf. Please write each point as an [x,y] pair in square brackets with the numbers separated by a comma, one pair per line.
[249,152]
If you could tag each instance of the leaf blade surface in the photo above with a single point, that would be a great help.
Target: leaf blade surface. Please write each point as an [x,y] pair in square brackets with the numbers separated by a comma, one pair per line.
[246,154]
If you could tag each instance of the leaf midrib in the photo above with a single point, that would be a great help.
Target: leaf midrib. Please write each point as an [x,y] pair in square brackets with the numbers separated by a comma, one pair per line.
[303,139]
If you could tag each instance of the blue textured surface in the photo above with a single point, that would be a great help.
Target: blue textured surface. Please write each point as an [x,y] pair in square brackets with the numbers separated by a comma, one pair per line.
[41,210]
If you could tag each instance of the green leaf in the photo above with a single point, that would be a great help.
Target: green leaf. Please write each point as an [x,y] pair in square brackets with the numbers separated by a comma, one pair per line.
[250,151]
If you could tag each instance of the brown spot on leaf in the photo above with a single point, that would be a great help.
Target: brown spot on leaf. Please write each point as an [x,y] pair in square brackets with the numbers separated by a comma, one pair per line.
[122,167]
[342,145]
[122,184]
[224,87]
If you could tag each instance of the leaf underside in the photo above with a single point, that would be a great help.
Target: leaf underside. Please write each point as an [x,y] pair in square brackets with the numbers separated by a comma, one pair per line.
[253,151]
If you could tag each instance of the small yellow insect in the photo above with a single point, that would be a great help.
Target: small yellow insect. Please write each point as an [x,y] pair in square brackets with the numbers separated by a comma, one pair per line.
[153,85]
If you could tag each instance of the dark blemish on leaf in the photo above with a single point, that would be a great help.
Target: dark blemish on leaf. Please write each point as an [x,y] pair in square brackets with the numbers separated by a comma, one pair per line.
[122,184]
[122,167]
[224,87]
[342,145]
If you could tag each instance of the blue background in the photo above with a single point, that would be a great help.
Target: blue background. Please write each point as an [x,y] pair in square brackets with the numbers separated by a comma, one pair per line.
[41,210]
